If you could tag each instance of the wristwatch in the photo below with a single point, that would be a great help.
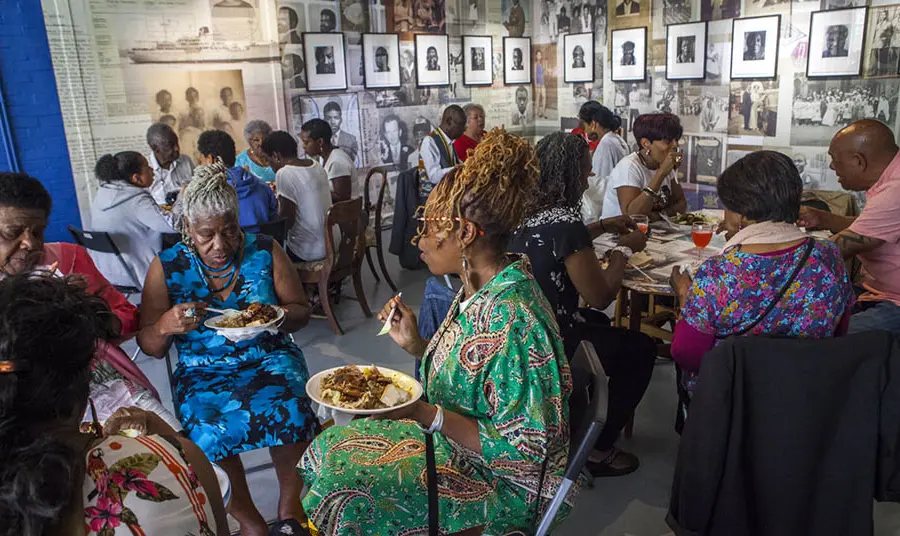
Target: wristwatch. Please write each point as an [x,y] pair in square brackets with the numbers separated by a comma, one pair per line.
[624,250]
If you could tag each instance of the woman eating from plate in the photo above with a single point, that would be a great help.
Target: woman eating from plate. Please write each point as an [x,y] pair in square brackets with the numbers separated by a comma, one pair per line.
[24,211]
[495,374]
[770,279]
[56,480]
[232,397]
[644,182]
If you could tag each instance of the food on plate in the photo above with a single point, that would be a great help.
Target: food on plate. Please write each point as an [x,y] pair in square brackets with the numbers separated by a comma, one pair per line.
[355,388]
[641,259]
[255,315]
[692,218]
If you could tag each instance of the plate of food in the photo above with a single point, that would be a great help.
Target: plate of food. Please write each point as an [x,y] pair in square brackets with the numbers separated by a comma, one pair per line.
[363,389]
[640,260]
[239,325]
[686,221]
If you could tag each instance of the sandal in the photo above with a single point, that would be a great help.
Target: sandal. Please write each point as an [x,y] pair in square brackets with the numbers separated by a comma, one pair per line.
[607,467]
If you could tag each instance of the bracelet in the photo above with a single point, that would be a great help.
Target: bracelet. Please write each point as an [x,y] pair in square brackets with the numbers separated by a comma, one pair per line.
[650,192]
[624,250]
[437,424]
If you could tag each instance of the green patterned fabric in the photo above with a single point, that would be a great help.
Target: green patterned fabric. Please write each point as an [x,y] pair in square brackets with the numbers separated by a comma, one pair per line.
[500,362]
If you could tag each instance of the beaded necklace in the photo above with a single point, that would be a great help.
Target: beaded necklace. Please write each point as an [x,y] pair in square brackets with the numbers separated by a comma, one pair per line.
[228,271]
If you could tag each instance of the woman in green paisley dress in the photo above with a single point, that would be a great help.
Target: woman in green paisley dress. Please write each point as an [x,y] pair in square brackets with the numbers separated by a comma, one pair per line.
[495,374]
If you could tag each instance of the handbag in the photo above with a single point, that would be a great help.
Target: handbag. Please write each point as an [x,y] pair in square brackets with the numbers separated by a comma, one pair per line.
[810,244]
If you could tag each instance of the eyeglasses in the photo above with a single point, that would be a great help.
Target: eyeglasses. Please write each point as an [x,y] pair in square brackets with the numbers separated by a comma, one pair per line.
[422,223]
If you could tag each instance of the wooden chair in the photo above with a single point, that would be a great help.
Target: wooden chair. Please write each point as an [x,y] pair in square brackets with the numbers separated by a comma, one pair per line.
[341,260]
[373,231]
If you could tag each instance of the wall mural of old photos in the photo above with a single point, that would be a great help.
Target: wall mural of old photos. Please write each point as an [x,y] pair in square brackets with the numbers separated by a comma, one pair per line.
[794,105]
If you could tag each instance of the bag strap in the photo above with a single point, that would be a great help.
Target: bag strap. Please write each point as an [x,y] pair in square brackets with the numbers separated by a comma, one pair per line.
[537,502]
[810,245]
[431,472]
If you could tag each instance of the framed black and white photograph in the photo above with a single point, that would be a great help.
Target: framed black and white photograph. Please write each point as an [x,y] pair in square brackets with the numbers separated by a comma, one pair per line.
[754,47]
[836,42]
[686,51]
[628,54]
[478,60]
[516,60]
[578,54]
[432,60]
[324,54]
[381,60]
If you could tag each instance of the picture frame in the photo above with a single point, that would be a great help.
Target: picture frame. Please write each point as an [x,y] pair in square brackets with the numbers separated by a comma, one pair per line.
[836,43]
[754,47]
[478,60]
[325,59]
[516,60]
[628,55]
[686,51]
[381,60]
[578,57]
[432,60]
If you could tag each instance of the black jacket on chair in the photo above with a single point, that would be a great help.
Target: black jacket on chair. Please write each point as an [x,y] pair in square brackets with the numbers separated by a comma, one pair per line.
[790,437]
[404,224]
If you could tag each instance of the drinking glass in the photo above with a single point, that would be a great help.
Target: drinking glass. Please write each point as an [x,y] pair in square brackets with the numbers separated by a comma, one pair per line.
[701,235]
[641,222]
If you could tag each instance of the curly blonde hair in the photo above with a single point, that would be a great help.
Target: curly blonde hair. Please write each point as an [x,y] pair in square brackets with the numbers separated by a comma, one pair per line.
[493,189]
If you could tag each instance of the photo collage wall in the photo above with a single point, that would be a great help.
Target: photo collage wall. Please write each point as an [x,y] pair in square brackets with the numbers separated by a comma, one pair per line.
[381,71]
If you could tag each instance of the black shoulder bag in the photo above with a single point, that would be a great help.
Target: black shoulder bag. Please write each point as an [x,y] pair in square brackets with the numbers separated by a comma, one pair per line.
[809,248]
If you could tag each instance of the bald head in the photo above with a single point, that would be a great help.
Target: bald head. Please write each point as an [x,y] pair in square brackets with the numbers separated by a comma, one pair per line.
[453,121]
[860,152]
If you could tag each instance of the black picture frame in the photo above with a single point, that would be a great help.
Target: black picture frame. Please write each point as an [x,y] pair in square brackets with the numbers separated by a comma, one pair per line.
[643,71]
[526,58]
[396,48]
[309,41]
[862,43]
[774,75]
[589,58]
[702,75]
[488,57]
[446,68]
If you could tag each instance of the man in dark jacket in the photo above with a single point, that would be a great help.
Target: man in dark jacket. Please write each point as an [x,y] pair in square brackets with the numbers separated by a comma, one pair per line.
[789,437]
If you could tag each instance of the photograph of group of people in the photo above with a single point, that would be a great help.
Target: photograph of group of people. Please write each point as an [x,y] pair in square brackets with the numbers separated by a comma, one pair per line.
[822,106]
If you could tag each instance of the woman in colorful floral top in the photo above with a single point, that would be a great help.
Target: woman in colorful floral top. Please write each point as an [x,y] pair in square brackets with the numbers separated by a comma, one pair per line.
[495,374]
[55,479]
[732,293]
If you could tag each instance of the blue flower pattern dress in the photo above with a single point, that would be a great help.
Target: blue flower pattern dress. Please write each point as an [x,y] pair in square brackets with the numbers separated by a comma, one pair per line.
[235,397]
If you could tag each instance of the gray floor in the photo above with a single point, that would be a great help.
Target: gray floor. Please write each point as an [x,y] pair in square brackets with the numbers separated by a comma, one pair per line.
[632,505]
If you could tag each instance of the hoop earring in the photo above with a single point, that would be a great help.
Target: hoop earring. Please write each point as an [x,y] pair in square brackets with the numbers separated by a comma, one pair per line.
[647,152]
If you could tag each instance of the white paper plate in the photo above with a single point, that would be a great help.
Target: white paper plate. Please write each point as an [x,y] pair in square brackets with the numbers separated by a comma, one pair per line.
[404,381]
[243,333]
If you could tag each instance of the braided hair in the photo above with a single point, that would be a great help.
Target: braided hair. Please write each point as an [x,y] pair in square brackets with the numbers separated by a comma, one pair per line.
[209,193]
[493,188]
[561,182]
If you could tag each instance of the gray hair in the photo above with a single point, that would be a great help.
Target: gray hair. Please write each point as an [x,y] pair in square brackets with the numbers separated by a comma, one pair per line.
[257,125]
[472,106]
[209,193]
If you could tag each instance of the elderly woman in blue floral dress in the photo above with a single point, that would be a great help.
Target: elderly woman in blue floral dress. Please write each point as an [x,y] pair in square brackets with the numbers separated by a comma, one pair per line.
[232,397]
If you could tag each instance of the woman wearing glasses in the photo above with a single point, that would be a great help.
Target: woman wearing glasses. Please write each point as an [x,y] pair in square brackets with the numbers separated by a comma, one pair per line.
[495,375]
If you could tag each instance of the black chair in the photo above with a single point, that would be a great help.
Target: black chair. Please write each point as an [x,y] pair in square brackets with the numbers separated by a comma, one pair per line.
[373,224]
[102,242]
[586,364]
[277,229]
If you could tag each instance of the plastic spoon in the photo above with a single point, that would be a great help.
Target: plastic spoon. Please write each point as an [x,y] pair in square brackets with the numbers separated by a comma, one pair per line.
[387,322]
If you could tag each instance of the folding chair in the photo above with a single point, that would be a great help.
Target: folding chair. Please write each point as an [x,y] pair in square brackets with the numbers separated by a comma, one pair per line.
[102,242]
[277,229]
[585,362]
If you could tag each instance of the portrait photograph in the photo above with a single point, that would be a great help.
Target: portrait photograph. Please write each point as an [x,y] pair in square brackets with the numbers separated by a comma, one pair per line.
[625,14]
[293,68]
[323,17]
[754,47]
[578,50]
[836,42]
[325,61]
[719,9]
[381,60]
[686,51]
[432,60]
[629,54]
[342,114]
[478,68]
[408,17]
[516,60]
[291,23]
[882,42]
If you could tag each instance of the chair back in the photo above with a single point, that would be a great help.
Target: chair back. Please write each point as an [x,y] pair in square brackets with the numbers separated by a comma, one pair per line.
[347,254]
[277,229]
[102,242]
[379,201]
